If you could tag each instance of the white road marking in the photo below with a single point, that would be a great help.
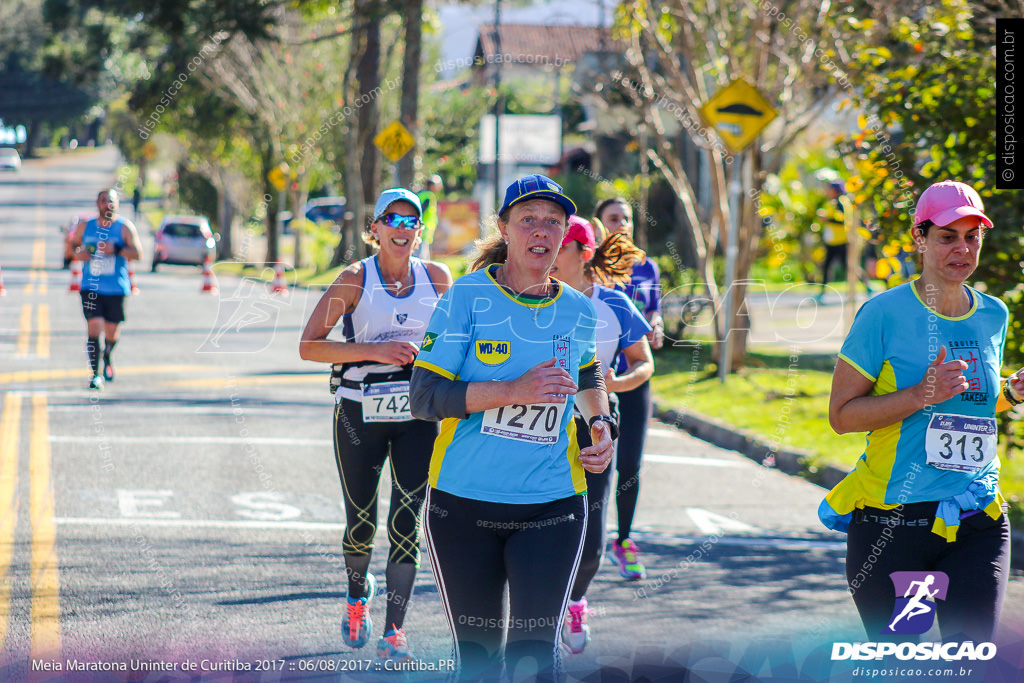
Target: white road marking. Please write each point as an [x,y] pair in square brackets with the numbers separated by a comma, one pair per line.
[712,523]
[690,460]
[223,440]
[664,431]
[734,541]
[199,523]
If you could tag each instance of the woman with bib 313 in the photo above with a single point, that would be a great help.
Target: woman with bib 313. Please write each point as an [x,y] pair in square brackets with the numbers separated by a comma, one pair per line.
[920,373]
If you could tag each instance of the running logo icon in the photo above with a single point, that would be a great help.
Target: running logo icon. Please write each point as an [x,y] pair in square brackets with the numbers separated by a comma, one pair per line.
[916,593]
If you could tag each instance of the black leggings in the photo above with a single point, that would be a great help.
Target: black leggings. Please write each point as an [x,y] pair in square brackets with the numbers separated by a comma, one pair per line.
[634,414]
[478,548]
[360,449]
[977,564]
[599,490]
[834,252]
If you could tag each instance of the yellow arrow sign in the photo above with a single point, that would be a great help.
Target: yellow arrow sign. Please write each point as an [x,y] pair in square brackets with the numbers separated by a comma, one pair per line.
[739,113]
[394,141]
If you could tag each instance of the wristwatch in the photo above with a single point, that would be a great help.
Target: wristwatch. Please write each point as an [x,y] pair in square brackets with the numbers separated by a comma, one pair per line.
[1009,394]
[605,418]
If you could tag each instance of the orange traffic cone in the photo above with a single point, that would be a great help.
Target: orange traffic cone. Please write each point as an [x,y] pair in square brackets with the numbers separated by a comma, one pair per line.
[209,284]
[280,286]
[3,292]
[131,277]
[76,276]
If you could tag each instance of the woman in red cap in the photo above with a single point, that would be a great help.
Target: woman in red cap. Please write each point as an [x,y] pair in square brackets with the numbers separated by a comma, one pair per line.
[920,373]
[582,264]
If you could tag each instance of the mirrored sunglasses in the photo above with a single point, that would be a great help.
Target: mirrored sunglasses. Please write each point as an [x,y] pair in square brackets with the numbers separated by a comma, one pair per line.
[394,220]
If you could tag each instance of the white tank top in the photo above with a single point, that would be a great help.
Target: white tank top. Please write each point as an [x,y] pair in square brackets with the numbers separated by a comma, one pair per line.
[380,316]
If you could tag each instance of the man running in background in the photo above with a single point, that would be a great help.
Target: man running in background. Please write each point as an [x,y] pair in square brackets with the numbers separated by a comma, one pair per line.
[105,243]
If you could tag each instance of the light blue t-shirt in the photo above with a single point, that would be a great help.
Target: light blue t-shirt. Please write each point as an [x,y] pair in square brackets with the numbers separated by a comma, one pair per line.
[893,339]
[105,273]
[514,454]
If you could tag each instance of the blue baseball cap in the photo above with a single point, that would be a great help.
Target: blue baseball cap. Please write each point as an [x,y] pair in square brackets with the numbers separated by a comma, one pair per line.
[395,194]
[537,187]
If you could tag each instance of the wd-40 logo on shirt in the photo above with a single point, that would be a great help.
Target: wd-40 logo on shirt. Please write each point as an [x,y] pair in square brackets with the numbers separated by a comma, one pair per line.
[428,341]
[492,352]
[916,593]
[401,318]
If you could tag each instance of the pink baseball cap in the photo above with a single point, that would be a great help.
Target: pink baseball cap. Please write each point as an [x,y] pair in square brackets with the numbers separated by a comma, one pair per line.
[944,202]
[581,231]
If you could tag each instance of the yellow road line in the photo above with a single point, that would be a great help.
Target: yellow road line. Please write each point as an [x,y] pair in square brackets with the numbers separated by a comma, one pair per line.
[10,424]
[43,327]
[45,578]
[24,329]
[39,254]
[46,375]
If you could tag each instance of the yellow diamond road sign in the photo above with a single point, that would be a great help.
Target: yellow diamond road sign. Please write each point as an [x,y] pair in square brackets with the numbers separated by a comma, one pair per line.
[394,141]
[739,113]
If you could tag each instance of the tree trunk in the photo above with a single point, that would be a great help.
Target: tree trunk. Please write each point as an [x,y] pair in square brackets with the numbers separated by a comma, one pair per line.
[362,159]
[273,207]
[411,87]
[368,80]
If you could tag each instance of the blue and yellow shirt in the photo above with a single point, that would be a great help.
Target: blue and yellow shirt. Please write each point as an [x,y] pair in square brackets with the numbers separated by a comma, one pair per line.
[105,273]
[514,454]
[893,339]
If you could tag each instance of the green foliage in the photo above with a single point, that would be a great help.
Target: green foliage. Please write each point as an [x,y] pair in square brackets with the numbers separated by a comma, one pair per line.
[450,135]
[197,194]
[934,85]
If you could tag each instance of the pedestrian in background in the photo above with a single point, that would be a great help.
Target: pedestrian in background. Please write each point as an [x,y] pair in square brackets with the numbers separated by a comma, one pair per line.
[836,216]
[384,302]
[635,405]
[508,354]
[429,197]
[105,243]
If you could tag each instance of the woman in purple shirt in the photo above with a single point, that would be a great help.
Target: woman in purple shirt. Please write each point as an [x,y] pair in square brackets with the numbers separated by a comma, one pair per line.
[644,290]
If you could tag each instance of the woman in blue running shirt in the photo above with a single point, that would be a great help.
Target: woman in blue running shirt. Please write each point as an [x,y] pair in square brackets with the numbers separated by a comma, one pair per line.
[635,405]
[507,355]
[581,264]
[920,373]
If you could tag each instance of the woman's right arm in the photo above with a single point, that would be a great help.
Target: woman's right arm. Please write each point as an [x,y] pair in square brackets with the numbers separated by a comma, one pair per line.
[340,298]
[851,409]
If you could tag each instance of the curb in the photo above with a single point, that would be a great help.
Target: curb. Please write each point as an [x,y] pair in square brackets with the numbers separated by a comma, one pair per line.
[792,462]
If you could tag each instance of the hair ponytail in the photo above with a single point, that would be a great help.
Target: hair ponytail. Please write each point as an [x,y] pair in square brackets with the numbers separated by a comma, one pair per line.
[613,260]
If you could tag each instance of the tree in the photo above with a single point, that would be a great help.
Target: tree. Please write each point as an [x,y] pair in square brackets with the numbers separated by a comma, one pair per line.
[929,93]
[681,53]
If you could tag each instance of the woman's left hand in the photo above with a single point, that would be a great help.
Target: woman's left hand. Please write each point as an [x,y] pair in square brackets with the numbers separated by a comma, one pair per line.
[596,458]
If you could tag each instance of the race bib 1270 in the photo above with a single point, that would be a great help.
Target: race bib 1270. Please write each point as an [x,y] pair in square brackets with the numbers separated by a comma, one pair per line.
[535,423]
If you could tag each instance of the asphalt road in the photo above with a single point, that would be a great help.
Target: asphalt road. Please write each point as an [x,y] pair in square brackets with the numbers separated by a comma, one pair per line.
[185,523]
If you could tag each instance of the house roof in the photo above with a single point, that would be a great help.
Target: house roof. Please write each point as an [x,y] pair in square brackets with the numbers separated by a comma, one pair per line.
[542,44]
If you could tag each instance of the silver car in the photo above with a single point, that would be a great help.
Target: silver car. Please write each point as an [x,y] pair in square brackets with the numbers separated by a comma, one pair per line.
[183,240]
[10,160]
